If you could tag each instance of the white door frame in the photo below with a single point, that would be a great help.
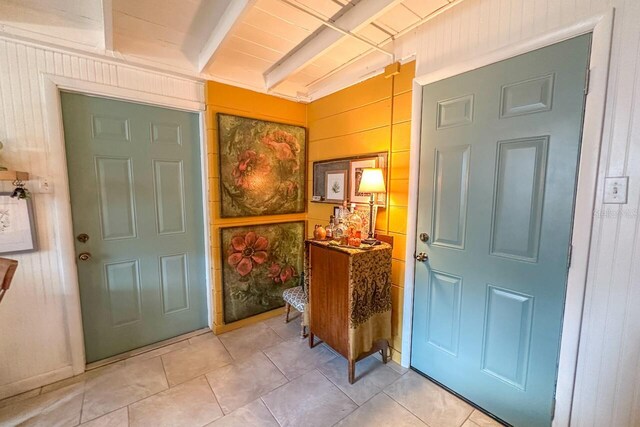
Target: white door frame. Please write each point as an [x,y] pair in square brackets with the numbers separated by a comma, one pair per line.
[51,85]
[602,27]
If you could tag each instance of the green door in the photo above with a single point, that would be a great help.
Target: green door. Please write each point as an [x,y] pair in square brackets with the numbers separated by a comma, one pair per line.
[499,153]
[136,196]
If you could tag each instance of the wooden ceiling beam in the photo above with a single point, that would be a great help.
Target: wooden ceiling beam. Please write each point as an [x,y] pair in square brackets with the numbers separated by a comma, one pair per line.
[360,15]
[232,14]
[107,25]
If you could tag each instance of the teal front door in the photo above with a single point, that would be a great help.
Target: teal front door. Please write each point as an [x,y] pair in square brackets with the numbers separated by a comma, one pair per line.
[136,201]
[498,166]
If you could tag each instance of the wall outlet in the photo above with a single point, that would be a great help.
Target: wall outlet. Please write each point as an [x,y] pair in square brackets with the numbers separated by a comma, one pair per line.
[615,189]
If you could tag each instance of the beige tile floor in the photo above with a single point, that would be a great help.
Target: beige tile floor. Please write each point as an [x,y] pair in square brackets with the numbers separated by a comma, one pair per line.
[261,375]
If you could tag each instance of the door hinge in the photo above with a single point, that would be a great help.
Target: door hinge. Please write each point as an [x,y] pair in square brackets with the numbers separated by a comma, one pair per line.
[569,256]
[553,408]
[587,80]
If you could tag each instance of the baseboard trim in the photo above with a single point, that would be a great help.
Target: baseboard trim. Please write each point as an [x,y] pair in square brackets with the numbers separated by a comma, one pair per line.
[18,387]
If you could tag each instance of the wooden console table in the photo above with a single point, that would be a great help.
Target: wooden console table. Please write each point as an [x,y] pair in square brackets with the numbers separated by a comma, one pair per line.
[349,299]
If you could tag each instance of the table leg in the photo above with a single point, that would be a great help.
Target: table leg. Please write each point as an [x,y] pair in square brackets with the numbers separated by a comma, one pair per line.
[385,351]
[310,339]
[352,371]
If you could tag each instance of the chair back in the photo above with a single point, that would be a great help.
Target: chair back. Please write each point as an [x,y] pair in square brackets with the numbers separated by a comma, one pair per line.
[7,270]
[304,282]
[385,239]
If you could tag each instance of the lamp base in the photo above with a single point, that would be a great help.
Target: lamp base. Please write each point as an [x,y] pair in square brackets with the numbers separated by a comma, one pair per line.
[372,242]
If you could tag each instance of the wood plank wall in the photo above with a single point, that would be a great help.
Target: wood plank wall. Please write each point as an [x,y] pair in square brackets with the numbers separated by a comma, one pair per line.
[221,98]
[371,116]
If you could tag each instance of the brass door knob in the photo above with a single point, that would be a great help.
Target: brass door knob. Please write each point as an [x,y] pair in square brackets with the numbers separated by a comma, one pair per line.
[422,257]
[84,256]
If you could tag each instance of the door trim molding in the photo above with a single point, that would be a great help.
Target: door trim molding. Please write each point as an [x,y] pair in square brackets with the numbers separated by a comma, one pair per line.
[50,86]
[601,26]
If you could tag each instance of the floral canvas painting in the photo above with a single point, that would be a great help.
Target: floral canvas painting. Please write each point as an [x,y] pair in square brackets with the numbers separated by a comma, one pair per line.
[258,263]
[262,167]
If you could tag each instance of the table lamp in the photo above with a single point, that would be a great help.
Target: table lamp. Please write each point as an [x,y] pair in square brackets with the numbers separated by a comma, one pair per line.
[372,181]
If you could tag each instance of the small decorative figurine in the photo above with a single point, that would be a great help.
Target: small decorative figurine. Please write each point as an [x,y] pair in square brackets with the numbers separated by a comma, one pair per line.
[319,233]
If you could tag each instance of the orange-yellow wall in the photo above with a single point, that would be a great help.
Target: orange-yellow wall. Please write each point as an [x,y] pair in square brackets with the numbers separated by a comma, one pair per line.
[372,116]
[221,98]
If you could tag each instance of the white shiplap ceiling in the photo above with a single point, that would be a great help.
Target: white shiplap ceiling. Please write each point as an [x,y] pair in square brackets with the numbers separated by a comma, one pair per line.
[292,48]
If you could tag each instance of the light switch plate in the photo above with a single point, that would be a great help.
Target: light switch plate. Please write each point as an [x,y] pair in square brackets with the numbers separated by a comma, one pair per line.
[615,189]
[44,185]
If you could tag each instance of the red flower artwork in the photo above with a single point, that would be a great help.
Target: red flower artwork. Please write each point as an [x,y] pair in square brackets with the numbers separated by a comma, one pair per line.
[262,167]
[250,169]
[285,145]
[281,274]
[248,250]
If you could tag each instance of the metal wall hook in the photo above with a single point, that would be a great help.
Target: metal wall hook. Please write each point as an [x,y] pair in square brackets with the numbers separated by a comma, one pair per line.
[20,192]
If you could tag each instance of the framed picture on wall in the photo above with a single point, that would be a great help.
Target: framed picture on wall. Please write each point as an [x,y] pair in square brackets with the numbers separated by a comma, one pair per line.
[355,175]
[336,185]
[363,211]
[17,225]
[262,167]
[259,262]
[320,170]
[350,165]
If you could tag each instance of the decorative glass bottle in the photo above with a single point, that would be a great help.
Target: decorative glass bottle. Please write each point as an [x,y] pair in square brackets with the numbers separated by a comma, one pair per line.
[354,220]
[330,228]
[343,212]
[340,231]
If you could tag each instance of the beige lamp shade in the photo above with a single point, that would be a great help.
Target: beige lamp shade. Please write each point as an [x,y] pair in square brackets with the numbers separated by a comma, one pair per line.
[372,181]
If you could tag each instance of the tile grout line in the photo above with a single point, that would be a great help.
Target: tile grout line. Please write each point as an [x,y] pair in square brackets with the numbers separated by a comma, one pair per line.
[276,332]
[339,389]
[276,365]
[84,392]
[128,405]
[108,413]
[240,359]
[269,409]
[215,398]
[410,411]
[278,368]
[124,361]
[225,347]
[164,370]
[467,419]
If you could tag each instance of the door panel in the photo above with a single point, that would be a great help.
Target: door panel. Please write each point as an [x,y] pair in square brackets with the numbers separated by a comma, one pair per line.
[117,208]
[499,152]
[445,291]
[175,288]
[519,191]
[135,182]
[507,335]
[168,182]
[123,286]
[450,194]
